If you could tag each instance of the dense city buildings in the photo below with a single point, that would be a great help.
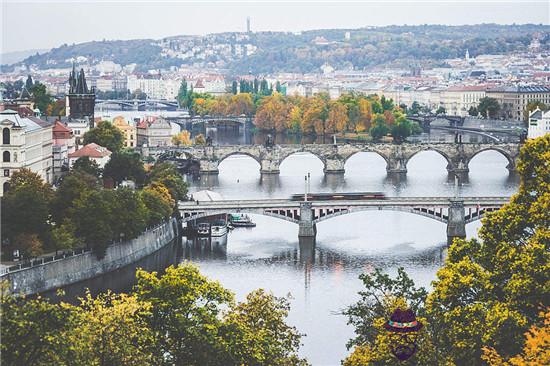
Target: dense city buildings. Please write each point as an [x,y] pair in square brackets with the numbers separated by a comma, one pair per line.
[513,99]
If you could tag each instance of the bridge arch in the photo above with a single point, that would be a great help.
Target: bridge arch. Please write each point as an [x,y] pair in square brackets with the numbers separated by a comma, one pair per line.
[242,153]
[428,149]
[511,163]
[318,155]
[429,213]
[374,152]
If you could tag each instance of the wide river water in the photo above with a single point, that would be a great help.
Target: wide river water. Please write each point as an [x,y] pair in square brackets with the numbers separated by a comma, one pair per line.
[323,282]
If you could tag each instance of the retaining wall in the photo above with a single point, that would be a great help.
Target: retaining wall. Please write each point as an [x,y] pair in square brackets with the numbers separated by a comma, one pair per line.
[63,272]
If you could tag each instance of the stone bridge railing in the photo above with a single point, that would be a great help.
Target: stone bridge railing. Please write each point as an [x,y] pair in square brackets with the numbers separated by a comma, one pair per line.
[334,157]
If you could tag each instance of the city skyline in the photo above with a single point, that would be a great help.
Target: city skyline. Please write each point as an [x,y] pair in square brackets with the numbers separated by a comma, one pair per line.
[135,20]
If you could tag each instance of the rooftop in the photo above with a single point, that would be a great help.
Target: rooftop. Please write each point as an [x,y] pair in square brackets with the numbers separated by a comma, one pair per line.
[91,150]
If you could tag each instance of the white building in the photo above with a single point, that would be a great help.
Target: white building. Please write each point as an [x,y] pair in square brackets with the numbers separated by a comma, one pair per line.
[26,143]
[154,86]
[539,124]
[95,152]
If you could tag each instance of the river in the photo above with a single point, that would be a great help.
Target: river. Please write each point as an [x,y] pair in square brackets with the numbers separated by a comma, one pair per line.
[322,282]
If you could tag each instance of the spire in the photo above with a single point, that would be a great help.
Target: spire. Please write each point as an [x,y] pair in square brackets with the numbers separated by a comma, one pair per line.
[81,86]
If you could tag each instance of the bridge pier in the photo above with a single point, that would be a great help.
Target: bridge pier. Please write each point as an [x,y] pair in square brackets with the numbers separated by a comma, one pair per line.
[396,166]
[208,166]
[269,166]
[334,166]
[306,226]
[456,224]
[458,166]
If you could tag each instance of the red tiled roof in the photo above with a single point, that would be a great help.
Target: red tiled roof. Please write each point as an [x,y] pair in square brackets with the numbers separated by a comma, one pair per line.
[91,150]
[60,127]
[199,84]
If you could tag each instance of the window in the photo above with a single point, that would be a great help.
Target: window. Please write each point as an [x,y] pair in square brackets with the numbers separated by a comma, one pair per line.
[6,187]
[6,157]
[6,136]
[6,172]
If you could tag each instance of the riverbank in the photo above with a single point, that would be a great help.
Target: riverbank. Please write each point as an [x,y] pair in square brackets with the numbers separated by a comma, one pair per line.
[74,270]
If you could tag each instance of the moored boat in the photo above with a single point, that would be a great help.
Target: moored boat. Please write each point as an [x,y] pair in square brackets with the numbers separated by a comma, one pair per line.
[238,220]
[218,228]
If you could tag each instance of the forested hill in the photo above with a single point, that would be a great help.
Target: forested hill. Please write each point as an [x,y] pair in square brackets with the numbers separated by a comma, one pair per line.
[266,52]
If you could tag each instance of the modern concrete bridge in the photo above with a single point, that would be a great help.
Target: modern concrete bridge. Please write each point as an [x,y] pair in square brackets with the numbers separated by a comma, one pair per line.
[455,212]
[334,156]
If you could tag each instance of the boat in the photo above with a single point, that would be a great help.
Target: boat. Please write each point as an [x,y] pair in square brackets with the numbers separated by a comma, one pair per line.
[238,220]
[203,229]
[218,228]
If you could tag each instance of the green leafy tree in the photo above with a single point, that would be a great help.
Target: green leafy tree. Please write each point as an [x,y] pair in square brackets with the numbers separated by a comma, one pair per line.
[129,213]
[125,165]
[106,135]
[88,166]
[160,205]
[234,87]
[488,107]
[185,315]
[32,330]
[27,202]
[441,110]
[379,128]
[401,129]
[473,111]
[73,186]
[64,237]
[182,94]
[94,220]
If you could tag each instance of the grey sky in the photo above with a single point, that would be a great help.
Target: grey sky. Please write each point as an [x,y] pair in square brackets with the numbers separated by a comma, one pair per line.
[46,24]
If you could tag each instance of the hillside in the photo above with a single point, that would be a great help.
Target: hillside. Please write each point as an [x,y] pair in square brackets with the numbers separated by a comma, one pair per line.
[267,52]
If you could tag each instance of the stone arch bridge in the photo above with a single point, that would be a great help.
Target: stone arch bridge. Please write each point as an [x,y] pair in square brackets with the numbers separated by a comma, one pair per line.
[334,157]
[455,212]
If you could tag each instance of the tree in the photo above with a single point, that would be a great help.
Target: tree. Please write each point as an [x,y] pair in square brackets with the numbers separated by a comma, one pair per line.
[94,220]
[73,186]
[365,115]
[401,129]
[234,87]
[167,174]
[440,110]
[337,118]
[88,166]
[123,166]
[185,315]
[379,128]
[160,204]
[295,119]
[257,333]
[182,138]
[200,140]
[271,113]
[490,291]
[488,107]
[182,94]
[110,329]
[536,350]
[473,111]
[29,245]
[27,202]
[129,212]
[32,330]
[40,97]
[64,237]
[240,104]
[106,135]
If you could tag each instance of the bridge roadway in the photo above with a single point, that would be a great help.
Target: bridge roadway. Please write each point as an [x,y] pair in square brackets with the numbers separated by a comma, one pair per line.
[455,212]
[334,156]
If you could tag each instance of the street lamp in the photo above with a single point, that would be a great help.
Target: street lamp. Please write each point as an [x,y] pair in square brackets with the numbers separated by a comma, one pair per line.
[403,328]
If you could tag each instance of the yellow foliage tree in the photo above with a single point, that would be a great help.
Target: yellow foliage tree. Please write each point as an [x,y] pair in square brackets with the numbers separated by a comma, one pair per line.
[182,138]
[337,118]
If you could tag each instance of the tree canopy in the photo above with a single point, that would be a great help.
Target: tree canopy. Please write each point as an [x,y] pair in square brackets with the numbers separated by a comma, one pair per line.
[106,135]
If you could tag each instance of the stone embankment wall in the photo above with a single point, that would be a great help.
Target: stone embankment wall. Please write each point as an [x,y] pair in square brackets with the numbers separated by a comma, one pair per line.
[63,272]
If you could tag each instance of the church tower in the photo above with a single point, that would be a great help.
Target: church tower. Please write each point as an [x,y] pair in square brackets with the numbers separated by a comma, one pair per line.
[467,56]
[80,101]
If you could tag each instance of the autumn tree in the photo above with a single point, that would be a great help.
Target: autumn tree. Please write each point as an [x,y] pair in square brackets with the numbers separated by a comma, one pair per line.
[337,118]
[295,119]
[160,204]
[365,115]
[167,174]
[182,138]
[271,113]
[490,290]
[200,140]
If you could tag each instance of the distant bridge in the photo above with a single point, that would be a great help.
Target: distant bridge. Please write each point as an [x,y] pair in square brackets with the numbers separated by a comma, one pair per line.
[334,156]
[138,104]
[455,212]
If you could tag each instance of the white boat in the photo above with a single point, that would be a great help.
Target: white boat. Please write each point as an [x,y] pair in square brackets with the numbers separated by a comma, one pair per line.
[218,228]
[238,220]
[203,229]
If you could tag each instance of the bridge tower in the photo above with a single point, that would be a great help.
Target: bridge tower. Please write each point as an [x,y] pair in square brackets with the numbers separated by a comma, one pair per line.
[307,228]
[456,223]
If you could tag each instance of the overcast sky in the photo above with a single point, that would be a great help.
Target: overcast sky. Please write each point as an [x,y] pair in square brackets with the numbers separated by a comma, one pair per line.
[45,24]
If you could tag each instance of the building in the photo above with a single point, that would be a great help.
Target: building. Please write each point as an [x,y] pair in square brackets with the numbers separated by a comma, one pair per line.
[513,100]
[26,143]
[539,124]
[457,100]
[63,144]
[154,86]
[154,131]
[95,152]
[80,101]
[129,132]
